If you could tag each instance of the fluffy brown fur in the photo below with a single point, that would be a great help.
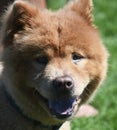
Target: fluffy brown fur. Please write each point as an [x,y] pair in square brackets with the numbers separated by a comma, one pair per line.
[41,47]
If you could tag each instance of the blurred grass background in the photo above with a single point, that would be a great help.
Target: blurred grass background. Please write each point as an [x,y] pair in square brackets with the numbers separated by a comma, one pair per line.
[106,100]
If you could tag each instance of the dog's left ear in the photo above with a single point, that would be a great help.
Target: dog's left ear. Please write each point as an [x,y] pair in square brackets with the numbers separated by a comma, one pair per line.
[83,8]
[19,16]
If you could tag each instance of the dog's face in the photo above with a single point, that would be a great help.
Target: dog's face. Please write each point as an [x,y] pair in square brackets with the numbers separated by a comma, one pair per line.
[53,60]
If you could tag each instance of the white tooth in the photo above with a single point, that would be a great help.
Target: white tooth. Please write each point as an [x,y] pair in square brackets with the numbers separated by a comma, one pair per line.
[78,100]
[64,113]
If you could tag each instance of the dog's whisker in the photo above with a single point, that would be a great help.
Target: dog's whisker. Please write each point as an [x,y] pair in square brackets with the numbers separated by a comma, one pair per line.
[34,91]
[87,92]
[38,76]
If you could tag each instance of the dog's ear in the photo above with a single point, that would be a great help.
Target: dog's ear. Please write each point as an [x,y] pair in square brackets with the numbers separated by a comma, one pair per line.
[83,8]
[18,17]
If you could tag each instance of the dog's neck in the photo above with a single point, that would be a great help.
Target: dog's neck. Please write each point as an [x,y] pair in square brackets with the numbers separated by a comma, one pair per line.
[34,122]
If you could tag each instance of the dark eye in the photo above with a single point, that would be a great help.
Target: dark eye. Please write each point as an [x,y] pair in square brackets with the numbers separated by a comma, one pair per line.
[76,57]
[42,60]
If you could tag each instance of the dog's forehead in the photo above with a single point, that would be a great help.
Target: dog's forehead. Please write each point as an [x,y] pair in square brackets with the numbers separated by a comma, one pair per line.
[62,31]
[60,28]
[73,33]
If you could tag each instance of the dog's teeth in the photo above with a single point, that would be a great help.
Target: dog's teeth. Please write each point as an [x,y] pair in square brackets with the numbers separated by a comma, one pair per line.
[78,100]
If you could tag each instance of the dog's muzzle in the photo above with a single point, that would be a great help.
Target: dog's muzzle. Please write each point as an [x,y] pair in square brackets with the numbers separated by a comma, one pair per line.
[63,106]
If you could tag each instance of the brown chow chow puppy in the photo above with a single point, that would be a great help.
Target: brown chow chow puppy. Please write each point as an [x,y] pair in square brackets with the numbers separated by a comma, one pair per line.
[52,63]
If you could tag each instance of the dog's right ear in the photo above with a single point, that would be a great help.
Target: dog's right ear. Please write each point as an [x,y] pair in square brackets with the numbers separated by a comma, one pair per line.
[82,8]
[18,17]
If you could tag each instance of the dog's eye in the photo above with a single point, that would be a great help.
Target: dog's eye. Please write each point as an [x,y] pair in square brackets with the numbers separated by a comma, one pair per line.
[42,60]
[76,57]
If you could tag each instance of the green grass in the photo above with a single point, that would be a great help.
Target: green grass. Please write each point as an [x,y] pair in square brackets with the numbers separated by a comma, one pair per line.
[54,4]
[106,100]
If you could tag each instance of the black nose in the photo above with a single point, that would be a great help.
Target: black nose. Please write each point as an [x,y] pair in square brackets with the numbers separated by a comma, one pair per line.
[63,83]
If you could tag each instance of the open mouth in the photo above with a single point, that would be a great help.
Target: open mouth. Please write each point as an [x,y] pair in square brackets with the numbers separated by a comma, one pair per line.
[61,108]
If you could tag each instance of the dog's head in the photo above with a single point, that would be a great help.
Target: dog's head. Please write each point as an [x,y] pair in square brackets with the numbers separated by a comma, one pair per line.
[53,62]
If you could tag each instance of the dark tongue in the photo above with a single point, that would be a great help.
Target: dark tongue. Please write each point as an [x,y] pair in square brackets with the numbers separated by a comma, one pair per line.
[63,107]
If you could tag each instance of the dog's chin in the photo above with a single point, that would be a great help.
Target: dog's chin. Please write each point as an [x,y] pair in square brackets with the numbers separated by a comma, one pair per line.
[63,108]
